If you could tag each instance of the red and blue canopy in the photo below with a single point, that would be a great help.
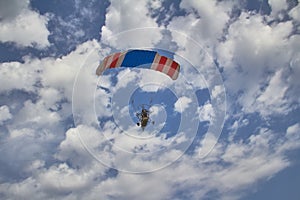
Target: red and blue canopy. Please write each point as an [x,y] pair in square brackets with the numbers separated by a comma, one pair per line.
[140,59]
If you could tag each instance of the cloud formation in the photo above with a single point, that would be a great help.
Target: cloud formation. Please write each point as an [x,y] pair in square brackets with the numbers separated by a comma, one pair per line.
[23,26]
[54,146]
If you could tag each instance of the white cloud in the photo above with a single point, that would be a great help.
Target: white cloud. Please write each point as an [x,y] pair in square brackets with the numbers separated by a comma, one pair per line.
[156,4]
[151,81]
[75,71]
[241,174]
[124,78]
[50,97]
[122,30]
[38,121]
[36,165]
[293,131]
[292,77]
[266,102]
[252,53]
[261,152]
[250,61]
[128,186]
[206,112]
[205,26]
[4,114]
[231,167]
[277,6]
[241,159]
[14,75]
[63,179]
[217,90]
[36,113]
[23,26]
[295,13]
[11,9]
[293,137]
[22,132]
[181,104]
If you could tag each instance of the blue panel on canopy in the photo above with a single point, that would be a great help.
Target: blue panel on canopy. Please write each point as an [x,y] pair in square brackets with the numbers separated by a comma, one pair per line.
[138,58]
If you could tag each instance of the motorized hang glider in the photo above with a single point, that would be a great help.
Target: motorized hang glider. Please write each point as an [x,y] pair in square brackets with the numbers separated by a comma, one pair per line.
[140,59]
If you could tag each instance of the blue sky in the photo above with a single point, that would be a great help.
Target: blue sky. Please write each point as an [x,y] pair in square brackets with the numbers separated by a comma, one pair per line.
[227,128]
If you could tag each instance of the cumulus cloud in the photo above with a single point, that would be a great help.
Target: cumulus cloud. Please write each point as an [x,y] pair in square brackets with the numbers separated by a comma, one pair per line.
[182,103]
[11,9]
[294,13]
[252,61]
[241,159]
[123,31]
[20,25]
[201,22]
[15,75]
[4,114]
[64,160]
[276,87]
[277,6]
[292,134]
[206,112]
[38,121]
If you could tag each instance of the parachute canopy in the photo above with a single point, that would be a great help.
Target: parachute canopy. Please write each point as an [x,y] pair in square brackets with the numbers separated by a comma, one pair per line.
[140,59]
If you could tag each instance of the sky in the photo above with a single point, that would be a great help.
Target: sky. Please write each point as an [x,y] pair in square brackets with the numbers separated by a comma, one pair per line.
[227,128]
